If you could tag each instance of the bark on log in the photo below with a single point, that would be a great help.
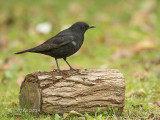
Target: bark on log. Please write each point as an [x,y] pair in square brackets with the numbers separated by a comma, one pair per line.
[82,91]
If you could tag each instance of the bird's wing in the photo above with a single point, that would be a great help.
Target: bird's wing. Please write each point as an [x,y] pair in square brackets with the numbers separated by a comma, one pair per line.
[55,42]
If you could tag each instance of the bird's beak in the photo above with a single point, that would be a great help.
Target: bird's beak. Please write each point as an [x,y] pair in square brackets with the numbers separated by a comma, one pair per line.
[91,26]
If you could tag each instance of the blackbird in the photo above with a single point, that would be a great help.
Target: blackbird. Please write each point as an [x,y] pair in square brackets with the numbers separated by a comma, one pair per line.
[64,44]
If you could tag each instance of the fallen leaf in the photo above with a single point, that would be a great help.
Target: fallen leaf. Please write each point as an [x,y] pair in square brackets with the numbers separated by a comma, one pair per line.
[156,103]
[8,62]
[71,113]
[121,54]
[75,113]
[140,92]
[138,75]
[157,117]
[149,43]
[65,115]
[151,116]
[5,67]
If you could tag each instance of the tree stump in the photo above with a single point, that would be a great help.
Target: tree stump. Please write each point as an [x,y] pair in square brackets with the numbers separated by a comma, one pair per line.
[82,91]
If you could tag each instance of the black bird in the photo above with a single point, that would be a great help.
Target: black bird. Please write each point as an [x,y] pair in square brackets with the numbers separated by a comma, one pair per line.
[64,44]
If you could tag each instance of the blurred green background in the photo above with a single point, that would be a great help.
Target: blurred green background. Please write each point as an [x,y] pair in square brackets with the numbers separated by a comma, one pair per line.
[126,37]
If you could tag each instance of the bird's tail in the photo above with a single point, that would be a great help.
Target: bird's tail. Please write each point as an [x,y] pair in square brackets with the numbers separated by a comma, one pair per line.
[29,50]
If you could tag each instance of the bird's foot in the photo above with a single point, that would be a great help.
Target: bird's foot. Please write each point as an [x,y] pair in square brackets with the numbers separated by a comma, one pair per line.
[58,70]
[72,69]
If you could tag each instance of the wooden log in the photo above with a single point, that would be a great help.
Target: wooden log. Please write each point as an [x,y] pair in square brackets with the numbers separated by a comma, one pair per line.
[82,91]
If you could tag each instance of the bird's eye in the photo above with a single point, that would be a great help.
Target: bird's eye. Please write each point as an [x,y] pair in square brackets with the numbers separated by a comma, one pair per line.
[84,27]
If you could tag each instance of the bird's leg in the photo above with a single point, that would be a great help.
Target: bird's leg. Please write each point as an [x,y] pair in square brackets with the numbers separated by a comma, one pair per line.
[57,64]
[68,64]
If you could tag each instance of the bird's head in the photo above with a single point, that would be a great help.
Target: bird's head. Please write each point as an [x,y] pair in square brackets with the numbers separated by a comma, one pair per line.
[81,27]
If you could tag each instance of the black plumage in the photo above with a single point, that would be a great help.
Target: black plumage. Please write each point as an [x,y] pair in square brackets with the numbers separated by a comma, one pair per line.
[64,44]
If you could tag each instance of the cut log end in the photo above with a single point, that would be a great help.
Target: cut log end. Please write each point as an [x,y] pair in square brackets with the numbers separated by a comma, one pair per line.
[82,91]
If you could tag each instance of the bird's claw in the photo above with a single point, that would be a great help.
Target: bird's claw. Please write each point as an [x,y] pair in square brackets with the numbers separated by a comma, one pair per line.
[58,70]
[72,69]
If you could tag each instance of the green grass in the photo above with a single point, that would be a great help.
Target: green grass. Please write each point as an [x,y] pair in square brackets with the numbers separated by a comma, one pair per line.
[115,30]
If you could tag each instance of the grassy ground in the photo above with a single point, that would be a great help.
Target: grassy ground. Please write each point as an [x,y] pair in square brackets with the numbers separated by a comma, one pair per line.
[126,38]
